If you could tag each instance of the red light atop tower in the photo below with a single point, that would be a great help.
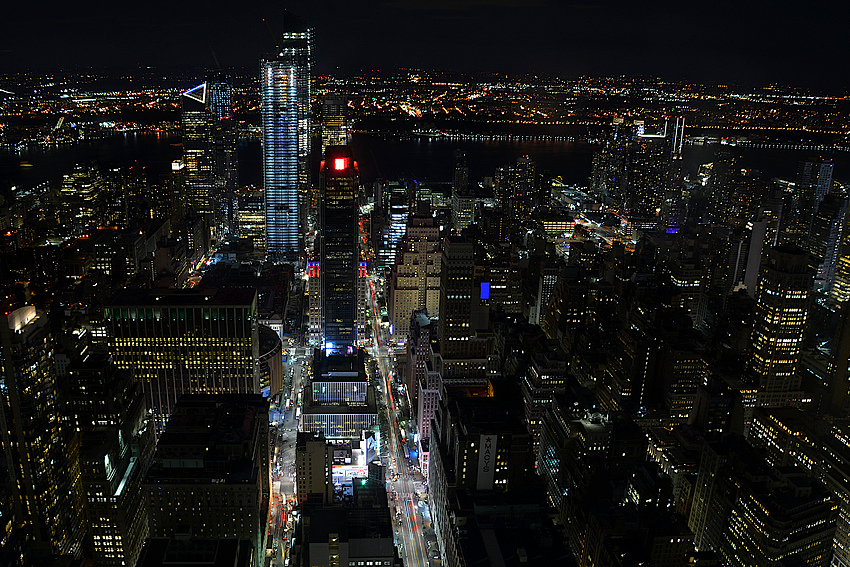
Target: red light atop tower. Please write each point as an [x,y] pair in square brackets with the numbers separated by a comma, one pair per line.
[340,163]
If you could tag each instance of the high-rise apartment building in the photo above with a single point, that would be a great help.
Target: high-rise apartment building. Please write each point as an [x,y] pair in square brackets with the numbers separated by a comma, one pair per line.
[609,174]
[338,242]
[516,186]
[725,175]
[185,342]
[43,474]
[285,90]
[415,280]
[649,170]
[782,306]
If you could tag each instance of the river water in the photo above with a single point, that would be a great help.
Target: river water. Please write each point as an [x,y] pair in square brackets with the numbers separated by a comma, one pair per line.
[390,157]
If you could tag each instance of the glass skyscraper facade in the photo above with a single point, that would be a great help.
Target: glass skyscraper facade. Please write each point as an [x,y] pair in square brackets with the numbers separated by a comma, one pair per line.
[285,89]
[198,155]
[340,249]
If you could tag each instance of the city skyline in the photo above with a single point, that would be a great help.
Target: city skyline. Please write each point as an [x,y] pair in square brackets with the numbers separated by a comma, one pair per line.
[420,318]
[717,43]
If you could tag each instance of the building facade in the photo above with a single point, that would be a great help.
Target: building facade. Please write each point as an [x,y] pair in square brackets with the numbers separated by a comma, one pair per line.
[285,90]
[185,343]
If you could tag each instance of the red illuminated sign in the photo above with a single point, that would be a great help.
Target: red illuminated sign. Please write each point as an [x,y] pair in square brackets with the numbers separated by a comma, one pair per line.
[340,163]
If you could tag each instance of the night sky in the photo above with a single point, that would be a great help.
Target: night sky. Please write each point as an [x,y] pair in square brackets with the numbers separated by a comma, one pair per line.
[742,41]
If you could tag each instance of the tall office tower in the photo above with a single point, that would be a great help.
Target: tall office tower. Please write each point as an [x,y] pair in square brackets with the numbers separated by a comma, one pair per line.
[224,140]
[82,202]
[498,277]
[198,149]
[814,180]
[481,445]
[689,285]
[824,239]
[285,89]
[456,291]
[462,356]
[396,206]
[185,342]
[649,170]
[463,199]
[334,126]
[251,215]
[316,324]
[313,469]
[210,471]
[43,473]
[415,280]
[338,242]
[545,377]
[782,305]
[107,406]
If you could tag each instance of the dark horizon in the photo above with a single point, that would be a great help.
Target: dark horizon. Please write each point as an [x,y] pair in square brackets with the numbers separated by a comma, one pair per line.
[721,43]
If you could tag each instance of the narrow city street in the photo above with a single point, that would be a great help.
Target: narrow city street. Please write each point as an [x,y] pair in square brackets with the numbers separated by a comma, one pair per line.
[285,427]
[409,512]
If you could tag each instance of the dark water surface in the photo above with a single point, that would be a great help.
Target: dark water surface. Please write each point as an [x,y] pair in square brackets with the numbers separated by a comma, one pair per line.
[389,157]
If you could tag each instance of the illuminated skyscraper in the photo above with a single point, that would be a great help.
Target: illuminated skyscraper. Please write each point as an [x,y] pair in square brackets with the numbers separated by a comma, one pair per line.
[415,283]
[198,148]
[824,239]
[285,88]
[339,249]
[782,305]
[334,127]
[463,200]
[82,199]
[814,180]
[649,170]
[516,185]
[42,477]
[224,138]
[108,407]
